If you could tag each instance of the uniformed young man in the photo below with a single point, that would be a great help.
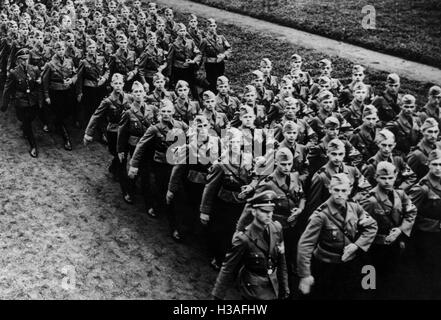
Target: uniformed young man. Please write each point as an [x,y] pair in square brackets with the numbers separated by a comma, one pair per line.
[215,50]
[406,126]
[59,77]
[157,141]
[134,123]
[271,81]
[417,158]
[185,109]
[432,108]
[23,88]
[93,74]
[123,61]
[385,141]
[364,136]
[225,102]
[426,195]
[358,75]
[258,252]
[217,120]
[189,177]
[159,92]
[354,112]
[264,96]
[387,102]
[193,30]
[329,258]
[318,191]
[395,215]
[183,60]
[111,109]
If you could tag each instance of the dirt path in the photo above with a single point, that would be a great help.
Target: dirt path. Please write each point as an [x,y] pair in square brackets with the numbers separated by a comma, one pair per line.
[375,60]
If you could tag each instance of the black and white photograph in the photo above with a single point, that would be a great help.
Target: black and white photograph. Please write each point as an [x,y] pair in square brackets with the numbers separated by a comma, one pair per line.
[236,150]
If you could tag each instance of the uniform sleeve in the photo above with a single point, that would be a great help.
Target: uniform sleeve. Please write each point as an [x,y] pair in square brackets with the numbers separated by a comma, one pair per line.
[144,143]
[361,186]
[409,214]
[8,91]
[353,155]
[418,194]
[409,177]
[97,116]
[123,133]
[307,243]
[80,79]
[367,227]
[230,268]
[141,67]
[176,177]
[316,190]
[282,269]
[416,163]
[46,78]
[211,189]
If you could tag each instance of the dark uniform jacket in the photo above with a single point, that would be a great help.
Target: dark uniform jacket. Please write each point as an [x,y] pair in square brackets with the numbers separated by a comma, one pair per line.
[347,95]
[111,108]
[407,132]
[217,120]
[21,85]
[319,189]
[38,56]
[353,113]
[159,138]
[156,96]
[417,158]
[134,123]
[149,62]
[122,62]
[272,83]
[317,123]
[186,110]
[387,106]
[180,51]
[329,230]
[212,46]
[363,139]
[406,177]
[300,160]
[228,105]
[305,135]
[196,35]
[426,195]
[260,267]
[430,111]
[91,69]
[399,214]
[55,72]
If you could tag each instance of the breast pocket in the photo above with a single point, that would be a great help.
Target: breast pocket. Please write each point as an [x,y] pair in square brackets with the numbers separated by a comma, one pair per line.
[331,234]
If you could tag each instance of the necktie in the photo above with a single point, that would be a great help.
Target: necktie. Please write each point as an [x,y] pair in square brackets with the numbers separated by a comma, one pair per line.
[143,110]
[288,181]
[390,195]
[266,235]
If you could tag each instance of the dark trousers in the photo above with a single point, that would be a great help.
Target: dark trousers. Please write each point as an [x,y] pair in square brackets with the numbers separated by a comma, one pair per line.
[337,280]
[92,98]
[26,116]
[221,227]
[213,71]
[61,106]
[115,166]
[186,74]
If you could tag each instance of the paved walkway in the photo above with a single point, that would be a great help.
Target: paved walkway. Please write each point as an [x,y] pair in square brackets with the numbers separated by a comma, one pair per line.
[373,59]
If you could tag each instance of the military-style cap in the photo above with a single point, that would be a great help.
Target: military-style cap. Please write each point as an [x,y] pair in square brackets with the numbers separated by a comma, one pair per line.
[385,168]
[383,135]
[137,84]
[332,122]
[222,80]
[408,99]
[211,21]
[324,81]
[296,58]
[324,95]
[434,155]
[168,10]
[265,62]
[54,29]
[90,42]
[286,81]
[117,76]
[429,123]
[192,17]
[284,154]
[208,95]
[325,62]
[97,13]
[335,144]
[122,37]
[263,200]
[339,179]
[360,86]
[182,84]
[200,119]
[258,74]
[290,101]
[435,91]
[165,103]
[181,26]
[158,76]
[393,78]
[369,110]
[290,126]
[132,27]
[22,54]
[111,17]
[152,5]
[248,89]
[244,110]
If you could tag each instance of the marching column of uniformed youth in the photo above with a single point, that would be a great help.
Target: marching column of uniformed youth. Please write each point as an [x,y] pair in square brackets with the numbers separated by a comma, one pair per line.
[158,139]
[395,215]
[59,77]
[22,89]
[426,195]
[331,249]
[257,256]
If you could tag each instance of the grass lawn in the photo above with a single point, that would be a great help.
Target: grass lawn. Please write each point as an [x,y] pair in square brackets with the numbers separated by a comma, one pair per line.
[250,47]
[407,28]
